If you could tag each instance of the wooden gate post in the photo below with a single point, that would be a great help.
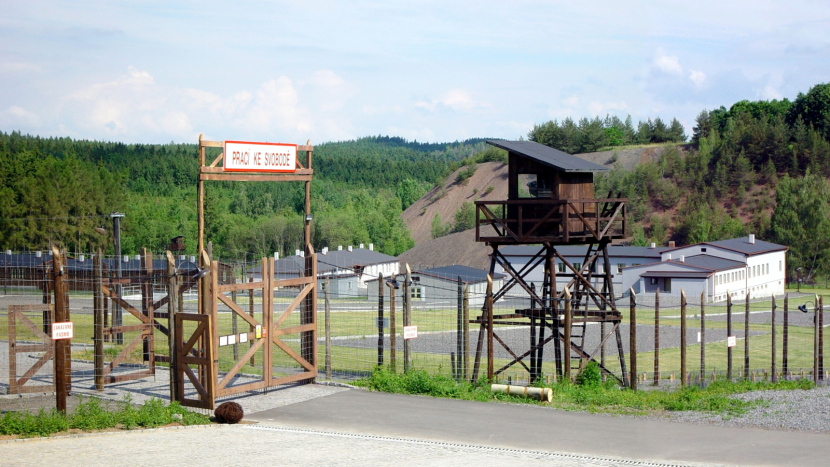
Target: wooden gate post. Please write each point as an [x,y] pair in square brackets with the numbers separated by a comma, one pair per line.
[816,326]
[784,338]
[465,336]
[820,337]
[172,309]
[392,329]
[459,331]
[567,341]
[63,352]
[98,322]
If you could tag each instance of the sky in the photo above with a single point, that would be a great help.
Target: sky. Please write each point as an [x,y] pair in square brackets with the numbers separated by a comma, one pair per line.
[431,71]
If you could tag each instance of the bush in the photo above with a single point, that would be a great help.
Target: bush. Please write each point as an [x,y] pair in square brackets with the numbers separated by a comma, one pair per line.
[465,174]
[590,375]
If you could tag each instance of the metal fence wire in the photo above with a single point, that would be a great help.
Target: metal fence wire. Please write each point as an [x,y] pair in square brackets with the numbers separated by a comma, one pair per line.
[121,343]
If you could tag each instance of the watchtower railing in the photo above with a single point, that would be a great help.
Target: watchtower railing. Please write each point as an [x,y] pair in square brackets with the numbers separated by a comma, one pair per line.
[541,220]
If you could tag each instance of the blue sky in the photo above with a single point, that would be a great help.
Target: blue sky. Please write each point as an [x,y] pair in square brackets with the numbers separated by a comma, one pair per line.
[289,71]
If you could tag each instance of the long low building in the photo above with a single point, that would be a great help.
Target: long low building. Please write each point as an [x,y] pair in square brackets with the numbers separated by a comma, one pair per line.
[441,284]
[737,266]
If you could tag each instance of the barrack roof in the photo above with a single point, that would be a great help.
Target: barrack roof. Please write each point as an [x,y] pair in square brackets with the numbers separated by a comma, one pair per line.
[546,155]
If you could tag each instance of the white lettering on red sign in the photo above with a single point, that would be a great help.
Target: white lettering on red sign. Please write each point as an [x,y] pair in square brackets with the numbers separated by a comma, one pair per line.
[410,332]
[62,331]
[244,156]
[731,341]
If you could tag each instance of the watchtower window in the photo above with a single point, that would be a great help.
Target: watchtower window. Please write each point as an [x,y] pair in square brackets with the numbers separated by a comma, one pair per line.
[533,186]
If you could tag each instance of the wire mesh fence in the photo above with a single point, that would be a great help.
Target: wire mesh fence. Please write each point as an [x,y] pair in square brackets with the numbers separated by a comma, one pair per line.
[270,330]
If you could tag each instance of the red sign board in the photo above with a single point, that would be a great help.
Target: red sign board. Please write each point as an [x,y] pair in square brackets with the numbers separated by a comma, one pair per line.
[245,156]
[62,331]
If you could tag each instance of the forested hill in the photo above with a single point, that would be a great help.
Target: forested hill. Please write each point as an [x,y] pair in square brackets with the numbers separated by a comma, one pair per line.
[58,189]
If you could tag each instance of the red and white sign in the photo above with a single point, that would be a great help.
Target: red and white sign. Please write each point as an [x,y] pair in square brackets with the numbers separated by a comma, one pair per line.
[731,341]
[244,156]
[62,331]
[410,332]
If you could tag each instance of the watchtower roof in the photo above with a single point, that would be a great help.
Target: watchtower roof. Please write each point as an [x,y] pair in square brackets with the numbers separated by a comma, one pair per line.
[546,155]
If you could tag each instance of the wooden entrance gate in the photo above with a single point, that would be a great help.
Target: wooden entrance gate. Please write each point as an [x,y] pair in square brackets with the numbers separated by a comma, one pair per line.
[220,373]
[45,344]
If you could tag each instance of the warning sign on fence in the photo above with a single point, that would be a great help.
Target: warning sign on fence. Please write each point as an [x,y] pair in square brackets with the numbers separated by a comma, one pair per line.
[62,331]
[732,341]
[410,332]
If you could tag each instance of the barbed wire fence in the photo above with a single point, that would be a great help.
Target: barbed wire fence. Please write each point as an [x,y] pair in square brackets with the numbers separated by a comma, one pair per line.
[121,343]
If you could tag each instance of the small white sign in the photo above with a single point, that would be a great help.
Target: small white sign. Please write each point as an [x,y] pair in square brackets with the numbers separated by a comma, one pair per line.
[223,341]
[410,332]
[732,341]
[232,339]
[698,336]
[245,156]
[62,331]
[243,337]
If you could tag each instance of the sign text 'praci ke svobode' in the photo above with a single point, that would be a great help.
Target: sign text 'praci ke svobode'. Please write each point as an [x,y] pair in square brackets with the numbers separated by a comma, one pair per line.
[243,156]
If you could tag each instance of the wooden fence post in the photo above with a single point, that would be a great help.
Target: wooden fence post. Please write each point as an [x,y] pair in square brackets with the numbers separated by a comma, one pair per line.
[684,380]
[489,305]
[632,338]
[773,367]
[702,335]
[815,339]
[459,331]
[407,318]
[785,338]
[98,322]
[821,338]
[172,310]
[392,331]
[728,334]
[327,302]
[380,319]
[234,323]
[746,338]
[566,345]
[656,337]
[63,355]
[465,347]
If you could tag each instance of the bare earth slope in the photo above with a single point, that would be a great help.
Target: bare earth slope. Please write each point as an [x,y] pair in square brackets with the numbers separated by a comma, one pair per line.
[458,248]
[418,217]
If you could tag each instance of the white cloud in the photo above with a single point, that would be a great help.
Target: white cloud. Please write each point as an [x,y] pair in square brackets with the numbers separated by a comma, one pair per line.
[571,101]
[697,77]
[770,92]
[17,117]
[667,63]
[326,78]
[455,99]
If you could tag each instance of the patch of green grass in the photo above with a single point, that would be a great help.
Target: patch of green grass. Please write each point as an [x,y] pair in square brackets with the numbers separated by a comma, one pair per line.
[90,415]
[596,397]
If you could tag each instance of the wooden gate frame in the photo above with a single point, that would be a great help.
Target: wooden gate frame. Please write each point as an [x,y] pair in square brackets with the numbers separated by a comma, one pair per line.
[47,345]
[187,354]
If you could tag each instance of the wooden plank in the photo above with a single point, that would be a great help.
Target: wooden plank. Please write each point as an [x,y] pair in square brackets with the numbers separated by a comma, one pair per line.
[46,388]
[293,378]
[304,148]
[294,355]
[37,366]
[120,301]
[233,306]
[211,144]
[293,282]
[243,388]
[240,286]
[21,348]
[294,329]
[129,328]
[35,329]
[218,158]
[226,177]
[125,352]
[129,376]
[221,170]
[233,371]
[39,307]
[293,305]
[194,338]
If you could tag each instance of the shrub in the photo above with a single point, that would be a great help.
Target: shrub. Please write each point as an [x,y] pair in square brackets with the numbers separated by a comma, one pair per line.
[590,375]
[229,412]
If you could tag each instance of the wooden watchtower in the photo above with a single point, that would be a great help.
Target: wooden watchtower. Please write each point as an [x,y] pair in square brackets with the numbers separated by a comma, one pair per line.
[550,203]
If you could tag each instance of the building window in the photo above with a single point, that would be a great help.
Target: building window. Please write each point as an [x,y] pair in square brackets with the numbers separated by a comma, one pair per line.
[415,293]
[780,266]
[620,267]
[767,268]
[653,281]
[703,250]
[578,266]
[667,282]
[561,267]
